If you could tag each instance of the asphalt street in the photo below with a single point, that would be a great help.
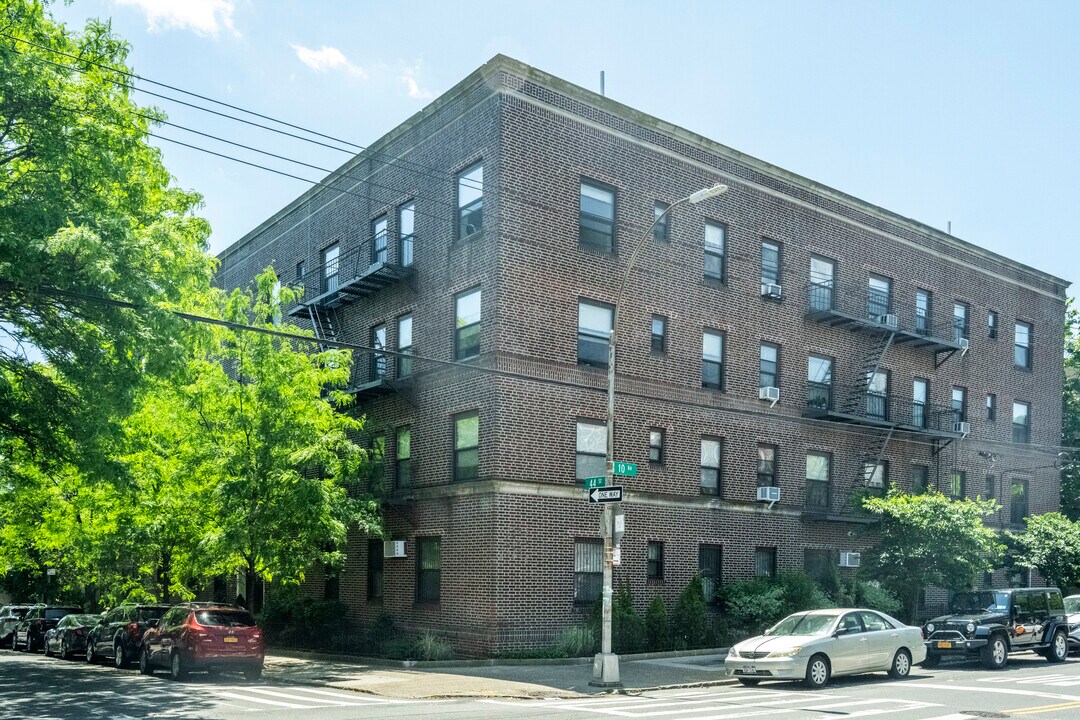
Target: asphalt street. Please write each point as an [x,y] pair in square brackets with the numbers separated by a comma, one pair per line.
[38,687]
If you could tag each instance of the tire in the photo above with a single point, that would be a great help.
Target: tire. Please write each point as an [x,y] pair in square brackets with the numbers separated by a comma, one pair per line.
[901,664]
[749,682]
[14,642]
[31,645]
[48,650]
[144,663]
[1059,647]
[995,654]
[177,669]
[65,651]
[120,660]
[91,658]
[818,672]
[254,673]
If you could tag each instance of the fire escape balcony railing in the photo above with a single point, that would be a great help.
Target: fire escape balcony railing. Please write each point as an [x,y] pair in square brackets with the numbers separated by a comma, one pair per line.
[854,405]
[356,273]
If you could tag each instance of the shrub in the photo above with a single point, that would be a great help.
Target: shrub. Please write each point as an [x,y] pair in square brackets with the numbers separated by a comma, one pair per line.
[576,642]
[690,617]
[657,625]
[627,627]
[876,597]
[430,646]
[754,604]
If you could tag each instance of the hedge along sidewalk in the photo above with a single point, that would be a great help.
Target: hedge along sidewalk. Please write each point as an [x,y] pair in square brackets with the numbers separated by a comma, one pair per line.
[538,678]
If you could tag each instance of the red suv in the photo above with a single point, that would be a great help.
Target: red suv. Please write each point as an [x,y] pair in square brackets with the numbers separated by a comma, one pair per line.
[203,636]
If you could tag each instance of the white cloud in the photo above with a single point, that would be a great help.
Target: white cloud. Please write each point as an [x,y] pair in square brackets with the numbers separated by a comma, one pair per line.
[204,17]
[409,76]
[326,58]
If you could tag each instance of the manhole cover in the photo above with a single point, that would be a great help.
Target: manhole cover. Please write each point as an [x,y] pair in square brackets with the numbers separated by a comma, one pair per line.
[983,714]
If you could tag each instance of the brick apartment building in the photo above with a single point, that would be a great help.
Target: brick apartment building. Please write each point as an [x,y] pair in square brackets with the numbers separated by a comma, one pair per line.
[493,228]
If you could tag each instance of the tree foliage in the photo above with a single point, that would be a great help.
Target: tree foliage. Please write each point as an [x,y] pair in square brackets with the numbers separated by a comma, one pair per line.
[1051,545]
[929,540]
[1070,417]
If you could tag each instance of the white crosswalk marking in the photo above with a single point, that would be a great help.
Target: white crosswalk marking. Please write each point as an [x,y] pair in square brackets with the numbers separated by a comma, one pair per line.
[301,697]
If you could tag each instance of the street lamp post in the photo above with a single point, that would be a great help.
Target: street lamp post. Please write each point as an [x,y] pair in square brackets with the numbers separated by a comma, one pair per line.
[606,663]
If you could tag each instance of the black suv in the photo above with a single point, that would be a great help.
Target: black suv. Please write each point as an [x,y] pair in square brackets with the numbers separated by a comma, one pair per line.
[30,632]
[994,623]
[118,635]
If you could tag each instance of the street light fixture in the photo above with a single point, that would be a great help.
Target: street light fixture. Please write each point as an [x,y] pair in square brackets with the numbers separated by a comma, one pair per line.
[606,663]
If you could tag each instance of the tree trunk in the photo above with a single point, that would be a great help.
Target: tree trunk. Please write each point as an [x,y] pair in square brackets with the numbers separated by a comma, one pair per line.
[252,594]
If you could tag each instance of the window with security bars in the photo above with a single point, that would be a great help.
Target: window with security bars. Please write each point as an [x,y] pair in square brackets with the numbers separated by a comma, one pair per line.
[710,562]
[878,297]
[403,457]
[818,472]
[877,394]
[661,229]
[1021,422]
[588,570]
[654,562]
[818,563]
[594,333]
[766,466]
[710,466]
[597,218]
[467,324]
[656,446]
[406,233]
[375,570]
[765,562]
[920,479]
[467,446]
[819,382]
[923,299]
[712,360]
[770,263]
[1018,501]
[591,456]
[957,485]
[1022,345]
[379,239]
[715,251]
[822,272]
[428,569]
[470,202]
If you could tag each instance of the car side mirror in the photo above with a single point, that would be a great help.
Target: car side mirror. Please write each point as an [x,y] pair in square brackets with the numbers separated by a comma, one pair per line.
[767,632]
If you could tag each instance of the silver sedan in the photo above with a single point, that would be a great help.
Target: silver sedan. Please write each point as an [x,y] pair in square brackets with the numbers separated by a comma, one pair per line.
[815,645]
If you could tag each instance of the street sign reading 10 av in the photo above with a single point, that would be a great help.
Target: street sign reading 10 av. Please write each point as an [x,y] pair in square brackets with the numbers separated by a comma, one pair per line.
[624,468]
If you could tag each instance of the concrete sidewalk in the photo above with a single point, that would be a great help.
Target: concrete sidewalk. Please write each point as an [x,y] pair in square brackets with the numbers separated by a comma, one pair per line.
[547,680]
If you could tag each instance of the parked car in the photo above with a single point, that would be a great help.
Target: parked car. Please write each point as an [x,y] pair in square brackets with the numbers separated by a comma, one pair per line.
[10,615]
[118,633]
[69,635]
[991,624]
[1072,612]
[203,636]
[30,632]
[815,645]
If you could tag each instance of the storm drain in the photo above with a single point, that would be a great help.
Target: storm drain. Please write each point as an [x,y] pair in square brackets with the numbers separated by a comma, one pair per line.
[984,714]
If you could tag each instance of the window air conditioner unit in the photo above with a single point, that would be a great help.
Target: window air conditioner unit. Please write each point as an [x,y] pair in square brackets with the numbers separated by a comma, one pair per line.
[889,319]
[768,493]
[393,549]
[964,344]
[771,394]
[771,290]
[850,559]
[963,427]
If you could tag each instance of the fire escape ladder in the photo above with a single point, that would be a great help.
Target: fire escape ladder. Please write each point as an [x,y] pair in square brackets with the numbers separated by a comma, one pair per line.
[324,324]
[856,402]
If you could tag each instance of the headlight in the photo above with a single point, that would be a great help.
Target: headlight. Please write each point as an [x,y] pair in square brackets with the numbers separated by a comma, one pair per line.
[970,628]
[930,628]
[785,653]
[732,652]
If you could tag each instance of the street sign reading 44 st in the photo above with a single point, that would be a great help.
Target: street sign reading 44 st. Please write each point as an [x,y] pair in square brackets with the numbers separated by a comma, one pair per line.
[606,494]
[595,482]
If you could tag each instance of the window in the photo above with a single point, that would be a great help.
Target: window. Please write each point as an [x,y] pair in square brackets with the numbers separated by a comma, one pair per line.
[656,446]
[330,267]
[1021,424]
[878,296]
[588,570]
[920,479]
[428,569]
[374,569]
[875,474]
[471,201]
[378,359]
[769,366]
[406,228]
[918,402]
[300,271]
[770,263]
[819,382]
[403,457]
[991,407]
[377,453]
[922,311]
[712,360]
[961,331]
[467,324]
[710,466]
[659,334]
[818,563]
[818,471]
[405,346]
[467,446]
[654,565]
[957,484]
[597,220]
[765,562]
[959,404]
[992,325]
[661,228]
[877,394]
[822,272]
[1018,501]
[991,488]
[1022,345]
[591,450]
[715,236]
[378,242]
[594,333]
[710,562]
[766,465]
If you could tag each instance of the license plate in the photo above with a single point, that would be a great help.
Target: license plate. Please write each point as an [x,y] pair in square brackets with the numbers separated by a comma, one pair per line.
[749,669]
[232,639]
[944,644]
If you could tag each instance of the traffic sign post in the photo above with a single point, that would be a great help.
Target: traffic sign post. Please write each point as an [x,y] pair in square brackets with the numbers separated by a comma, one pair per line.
[595,482]
[611,494]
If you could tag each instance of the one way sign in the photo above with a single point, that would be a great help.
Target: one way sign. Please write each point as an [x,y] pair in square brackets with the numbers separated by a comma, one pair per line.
[606,494]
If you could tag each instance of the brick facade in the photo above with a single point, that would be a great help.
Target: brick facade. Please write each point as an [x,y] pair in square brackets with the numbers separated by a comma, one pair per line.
[507,539]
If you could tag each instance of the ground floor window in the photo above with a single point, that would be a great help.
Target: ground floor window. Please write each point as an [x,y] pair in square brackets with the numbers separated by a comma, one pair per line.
[588,570]
[765,562]
[709,567]
[428,569]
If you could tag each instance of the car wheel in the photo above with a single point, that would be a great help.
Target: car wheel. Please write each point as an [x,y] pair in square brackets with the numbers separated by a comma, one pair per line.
[144,663]
[90,656]
[817,672]
[749,682]
[65,651]
[254,673]
[995,653]
[31,644]
[901,664]
[48,648]
[176,667]
[119,656]
[1059,648]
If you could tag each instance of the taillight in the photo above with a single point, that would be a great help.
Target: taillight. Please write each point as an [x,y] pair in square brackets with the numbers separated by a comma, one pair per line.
[133,629]
[193,625]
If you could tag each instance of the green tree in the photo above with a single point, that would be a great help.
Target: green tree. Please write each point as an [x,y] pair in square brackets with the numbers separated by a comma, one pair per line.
[1070,417]
[689,620]
[657,625]
[930,540]
[1051,545]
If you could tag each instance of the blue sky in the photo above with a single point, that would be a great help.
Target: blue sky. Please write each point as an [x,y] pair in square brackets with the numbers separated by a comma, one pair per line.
[941,111]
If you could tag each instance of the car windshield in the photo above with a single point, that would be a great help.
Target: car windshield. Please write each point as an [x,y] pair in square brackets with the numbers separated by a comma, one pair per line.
[57,613]
[809,624]
[1072,604]
[225,618]
[976,602]
[150,613]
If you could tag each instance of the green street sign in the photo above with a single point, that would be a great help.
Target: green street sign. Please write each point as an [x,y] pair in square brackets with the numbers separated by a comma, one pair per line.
[624,468]
[595,482]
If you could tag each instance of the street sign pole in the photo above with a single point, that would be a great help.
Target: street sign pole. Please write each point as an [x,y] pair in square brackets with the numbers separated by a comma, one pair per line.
[606,663]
